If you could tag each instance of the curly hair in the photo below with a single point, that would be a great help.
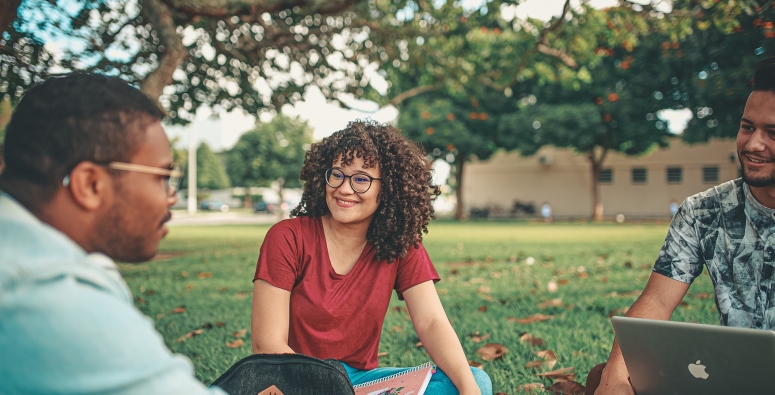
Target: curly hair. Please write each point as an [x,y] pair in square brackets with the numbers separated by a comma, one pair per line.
[407,193]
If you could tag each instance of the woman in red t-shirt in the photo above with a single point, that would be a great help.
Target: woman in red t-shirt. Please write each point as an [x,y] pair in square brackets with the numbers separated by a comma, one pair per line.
[324,278]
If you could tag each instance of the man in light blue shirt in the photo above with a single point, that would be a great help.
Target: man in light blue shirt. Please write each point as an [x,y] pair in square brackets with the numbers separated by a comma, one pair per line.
[88,179]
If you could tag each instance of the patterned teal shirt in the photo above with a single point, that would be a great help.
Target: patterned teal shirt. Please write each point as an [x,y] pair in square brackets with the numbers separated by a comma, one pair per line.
[727,230]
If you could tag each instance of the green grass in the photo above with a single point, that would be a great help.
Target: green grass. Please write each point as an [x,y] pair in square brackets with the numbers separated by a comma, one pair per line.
[482,264]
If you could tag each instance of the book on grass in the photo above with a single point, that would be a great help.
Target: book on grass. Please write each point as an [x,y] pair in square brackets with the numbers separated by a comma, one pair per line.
[412,381]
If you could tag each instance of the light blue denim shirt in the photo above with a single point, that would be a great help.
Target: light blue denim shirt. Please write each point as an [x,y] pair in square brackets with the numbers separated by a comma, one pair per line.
[67,322]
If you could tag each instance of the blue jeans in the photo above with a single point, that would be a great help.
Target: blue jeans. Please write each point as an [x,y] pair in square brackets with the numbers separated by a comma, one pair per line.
[440,384]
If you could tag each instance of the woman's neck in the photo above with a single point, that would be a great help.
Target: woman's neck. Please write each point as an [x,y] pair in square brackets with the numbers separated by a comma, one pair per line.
[345,234]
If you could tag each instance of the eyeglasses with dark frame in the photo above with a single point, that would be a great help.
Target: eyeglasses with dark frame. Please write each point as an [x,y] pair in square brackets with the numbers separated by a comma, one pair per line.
[360,183]
[172,177]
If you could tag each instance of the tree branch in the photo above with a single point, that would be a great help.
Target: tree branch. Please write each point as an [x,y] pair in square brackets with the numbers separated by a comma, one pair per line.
[411,93]
[158,15]
[8,13]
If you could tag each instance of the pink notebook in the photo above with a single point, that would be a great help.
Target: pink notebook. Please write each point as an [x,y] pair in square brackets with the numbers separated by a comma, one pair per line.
[409,382]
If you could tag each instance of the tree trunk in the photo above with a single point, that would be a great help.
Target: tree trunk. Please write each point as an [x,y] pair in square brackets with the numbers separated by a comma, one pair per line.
[596,163]
[459,164]
[159,16]
[8,13]
[248,198]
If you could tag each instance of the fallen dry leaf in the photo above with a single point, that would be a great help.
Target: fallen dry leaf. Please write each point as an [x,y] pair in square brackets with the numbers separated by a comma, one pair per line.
[484,289]
[189,287]
[532,388]
[556,302]
[204,275]
[534,341]
[235,344]
[546,354]
[418,345]
[189,335]
[483,309]
[511,318]
[184,273]
[179,310]
[396,328]
[534,318]
[150,292]
[566,388]
[240,333]
[604,279]
[219,324]
[475,364]
[534,364]
[621,311]
[477,338]
[582,275]
[549,357]
[207,325]
[702,295]
[492,351]
[159,316]
[241,295]
[223,289]
[382,354]
[140,300]
[552,286]
[559,374]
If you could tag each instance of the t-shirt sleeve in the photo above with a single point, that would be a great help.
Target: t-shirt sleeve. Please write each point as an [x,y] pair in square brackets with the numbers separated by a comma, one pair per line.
[415,268]
[679,258]
[278,261]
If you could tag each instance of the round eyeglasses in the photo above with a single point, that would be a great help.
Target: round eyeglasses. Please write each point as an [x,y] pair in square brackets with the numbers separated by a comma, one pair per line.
[360,183]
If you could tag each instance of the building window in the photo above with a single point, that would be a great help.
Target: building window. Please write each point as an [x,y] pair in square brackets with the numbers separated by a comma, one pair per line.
[639,175]
[606,176]
[710,174]
[675,175]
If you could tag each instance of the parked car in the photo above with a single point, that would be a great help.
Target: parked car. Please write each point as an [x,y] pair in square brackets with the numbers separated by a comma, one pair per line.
[214,205]
[263,207]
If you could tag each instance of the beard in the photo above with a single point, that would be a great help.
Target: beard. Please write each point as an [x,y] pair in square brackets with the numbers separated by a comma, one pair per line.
[766,180]
[125,236]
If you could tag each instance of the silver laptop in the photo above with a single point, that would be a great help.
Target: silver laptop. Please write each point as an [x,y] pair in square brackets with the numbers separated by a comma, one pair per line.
[665,357]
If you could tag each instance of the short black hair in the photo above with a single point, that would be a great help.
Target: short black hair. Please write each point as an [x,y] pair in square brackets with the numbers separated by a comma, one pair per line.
[67,120]
[764,76]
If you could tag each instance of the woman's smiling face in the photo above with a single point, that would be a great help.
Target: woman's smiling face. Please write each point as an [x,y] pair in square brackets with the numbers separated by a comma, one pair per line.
[345,205]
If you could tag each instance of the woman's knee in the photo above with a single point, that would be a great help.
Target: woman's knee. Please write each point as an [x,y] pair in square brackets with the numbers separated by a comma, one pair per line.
[482,380]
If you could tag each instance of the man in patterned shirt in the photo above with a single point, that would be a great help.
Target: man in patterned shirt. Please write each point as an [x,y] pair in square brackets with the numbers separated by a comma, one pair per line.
[730,229]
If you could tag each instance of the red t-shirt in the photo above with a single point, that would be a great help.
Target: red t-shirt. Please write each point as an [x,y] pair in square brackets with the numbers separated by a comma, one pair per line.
[333,315]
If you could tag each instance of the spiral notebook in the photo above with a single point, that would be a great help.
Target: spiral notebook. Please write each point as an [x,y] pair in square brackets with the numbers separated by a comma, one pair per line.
[413,381]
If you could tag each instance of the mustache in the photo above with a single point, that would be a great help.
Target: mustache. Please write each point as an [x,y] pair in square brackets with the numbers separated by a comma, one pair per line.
[166,218]
[756,156]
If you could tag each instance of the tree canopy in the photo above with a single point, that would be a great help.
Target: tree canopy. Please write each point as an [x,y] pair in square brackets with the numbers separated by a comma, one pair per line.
[272,151]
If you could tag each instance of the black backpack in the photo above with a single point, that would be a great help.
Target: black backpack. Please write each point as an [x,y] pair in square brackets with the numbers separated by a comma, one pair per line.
[291,374]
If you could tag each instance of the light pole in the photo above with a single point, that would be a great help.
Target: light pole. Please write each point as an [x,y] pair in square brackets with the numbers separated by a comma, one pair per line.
[192,171]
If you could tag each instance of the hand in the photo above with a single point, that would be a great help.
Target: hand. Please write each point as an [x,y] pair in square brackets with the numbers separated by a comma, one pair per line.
[614,383]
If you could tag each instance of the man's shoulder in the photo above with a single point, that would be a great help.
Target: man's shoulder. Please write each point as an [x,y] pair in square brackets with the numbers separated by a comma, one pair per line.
[33,254]
[720,197]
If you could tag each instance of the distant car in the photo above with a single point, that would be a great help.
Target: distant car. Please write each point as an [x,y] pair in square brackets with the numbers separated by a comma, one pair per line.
[214,205]
[263,207]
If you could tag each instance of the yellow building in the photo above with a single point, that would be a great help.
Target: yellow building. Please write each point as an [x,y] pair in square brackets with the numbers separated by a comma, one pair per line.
[638,187]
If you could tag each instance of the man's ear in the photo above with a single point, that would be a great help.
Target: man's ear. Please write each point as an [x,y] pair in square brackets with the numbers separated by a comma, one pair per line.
[90,186]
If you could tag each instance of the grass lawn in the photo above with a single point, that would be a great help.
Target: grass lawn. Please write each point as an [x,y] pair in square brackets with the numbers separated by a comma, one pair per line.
[486,286]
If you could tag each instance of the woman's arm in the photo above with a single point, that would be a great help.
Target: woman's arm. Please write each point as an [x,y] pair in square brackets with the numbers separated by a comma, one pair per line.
[269,319]
[437,336]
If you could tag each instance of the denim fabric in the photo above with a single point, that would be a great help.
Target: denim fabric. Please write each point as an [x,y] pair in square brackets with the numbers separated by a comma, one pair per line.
[440,384]
[67,322]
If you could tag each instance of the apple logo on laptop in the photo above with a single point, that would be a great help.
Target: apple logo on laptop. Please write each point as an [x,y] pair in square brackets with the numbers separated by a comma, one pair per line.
[697,370]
